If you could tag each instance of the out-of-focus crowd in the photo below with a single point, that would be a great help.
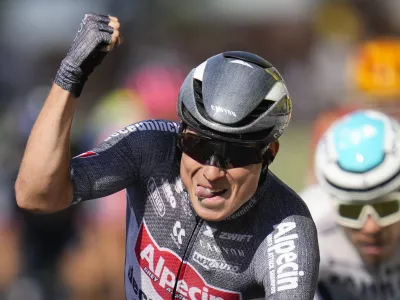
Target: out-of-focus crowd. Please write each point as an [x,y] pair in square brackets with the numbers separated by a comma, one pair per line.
[321,47]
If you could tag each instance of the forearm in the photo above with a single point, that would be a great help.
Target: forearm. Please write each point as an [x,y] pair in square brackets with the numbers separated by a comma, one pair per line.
[43,183]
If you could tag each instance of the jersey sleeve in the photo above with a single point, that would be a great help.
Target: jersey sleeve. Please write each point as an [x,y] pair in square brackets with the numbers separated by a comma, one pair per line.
[291,260]
[320,205]
[119,161]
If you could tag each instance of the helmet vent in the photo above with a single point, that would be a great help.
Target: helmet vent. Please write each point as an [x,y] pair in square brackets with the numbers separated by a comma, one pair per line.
[257,112]
[198,95]
[198,91]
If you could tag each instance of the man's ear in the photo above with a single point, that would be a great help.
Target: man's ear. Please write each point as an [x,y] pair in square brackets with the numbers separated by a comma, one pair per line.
[274,149]
[270,154]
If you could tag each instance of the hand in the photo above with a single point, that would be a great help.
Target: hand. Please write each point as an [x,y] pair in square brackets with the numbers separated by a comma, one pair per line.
[97,35]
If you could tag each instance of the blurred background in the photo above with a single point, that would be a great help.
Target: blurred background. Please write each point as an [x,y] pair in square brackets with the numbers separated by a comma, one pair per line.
[334,55]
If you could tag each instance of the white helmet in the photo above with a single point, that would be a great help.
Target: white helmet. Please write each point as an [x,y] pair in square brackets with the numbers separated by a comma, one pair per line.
[358,158]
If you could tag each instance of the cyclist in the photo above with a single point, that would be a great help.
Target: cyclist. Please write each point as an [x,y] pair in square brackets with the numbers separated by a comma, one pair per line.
[205,217]
[374,80]
[356,207]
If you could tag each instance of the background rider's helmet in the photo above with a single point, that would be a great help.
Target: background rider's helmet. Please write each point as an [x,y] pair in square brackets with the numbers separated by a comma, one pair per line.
[236,96]
[357,159]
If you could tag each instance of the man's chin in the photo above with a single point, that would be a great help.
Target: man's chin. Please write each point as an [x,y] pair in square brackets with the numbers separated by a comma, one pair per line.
[210,214]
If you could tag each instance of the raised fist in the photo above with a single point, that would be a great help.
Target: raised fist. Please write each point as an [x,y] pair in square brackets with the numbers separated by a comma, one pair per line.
[97,35]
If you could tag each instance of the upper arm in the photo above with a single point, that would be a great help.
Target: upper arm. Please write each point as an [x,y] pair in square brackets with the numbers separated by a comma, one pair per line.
[292,257]
[106,169]
[119,161]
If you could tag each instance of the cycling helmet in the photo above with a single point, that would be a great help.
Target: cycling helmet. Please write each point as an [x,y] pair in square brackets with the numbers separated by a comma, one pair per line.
[375,68]
[236,96]
[357,159]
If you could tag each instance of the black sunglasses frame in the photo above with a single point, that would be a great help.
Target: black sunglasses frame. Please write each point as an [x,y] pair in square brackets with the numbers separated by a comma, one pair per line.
[209,151]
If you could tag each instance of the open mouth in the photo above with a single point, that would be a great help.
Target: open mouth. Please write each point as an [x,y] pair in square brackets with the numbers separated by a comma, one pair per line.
[203,192]
[372,248]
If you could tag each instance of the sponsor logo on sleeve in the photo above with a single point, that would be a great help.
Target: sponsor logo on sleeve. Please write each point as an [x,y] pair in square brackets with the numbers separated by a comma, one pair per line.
[282,258]
[160,266]
[150,125]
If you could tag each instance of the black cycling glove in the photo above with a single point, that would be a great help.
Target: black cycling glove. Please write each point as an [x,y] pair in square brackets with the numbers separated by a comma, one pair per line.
[85,53]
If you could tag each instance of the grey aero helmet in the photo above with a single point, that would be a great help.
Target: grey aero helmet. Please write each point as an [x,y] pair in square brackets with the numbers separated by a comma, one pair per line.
[237,97]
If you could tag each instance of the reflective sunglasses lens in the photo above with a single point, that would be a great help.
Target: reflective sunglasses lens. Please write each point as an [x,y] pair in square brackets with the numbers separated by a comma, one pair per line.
[201,149]
[240,156]
[350,211]
[385,209]
[196,148]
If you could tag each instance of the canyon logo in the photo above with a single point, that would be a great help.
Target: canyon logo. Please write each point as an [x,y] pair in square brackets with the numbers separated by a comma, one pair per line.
[223,110]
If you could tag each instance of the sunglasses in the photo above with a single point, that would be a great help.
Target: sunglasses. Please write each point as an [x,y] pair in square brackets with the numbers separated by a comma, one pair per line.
[223,154]
[385,211]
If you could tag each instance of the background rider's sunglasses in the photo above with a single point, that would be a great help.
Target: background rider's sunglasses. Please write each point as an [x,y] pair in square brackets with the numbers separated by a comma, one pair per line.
[229,155]
[385,211]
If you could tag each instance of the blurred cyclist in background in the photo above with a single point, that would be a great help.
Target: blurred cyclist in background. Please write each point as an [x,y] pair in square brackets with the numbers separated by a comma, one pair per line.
[356,207]
[373,76]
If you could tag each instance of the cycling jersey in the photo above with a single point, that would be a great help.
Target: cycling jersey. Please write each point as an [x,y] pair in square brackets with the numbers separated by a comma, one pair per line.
[268,248]
[343,274]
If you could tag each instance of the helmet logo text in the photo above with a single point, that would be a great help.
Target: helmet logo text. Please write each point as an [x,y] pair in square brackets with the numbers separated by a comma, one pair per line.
[224,110]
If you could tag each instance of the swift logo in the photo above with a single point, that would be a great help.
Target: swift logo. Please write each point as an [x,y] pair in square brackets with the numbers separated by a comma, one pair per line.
[235,237]
[284,270]
[227,235]
[224,110]
[178,233]
[160,266]
[155,198]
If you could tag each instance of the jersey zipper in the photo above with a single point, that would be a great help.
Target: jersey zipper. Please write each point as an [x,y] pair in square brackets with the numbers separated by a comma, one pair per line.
[188,249]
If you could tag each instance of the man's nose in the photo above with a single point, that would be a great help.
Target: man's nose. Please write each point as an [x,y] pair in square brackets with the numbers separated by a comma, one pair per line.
[371,226]
[216,161]
[214,169]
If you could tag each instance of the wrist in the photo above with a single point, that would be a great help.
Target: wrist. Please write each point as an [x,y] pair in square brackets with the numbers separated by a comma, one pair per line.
[71,78]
